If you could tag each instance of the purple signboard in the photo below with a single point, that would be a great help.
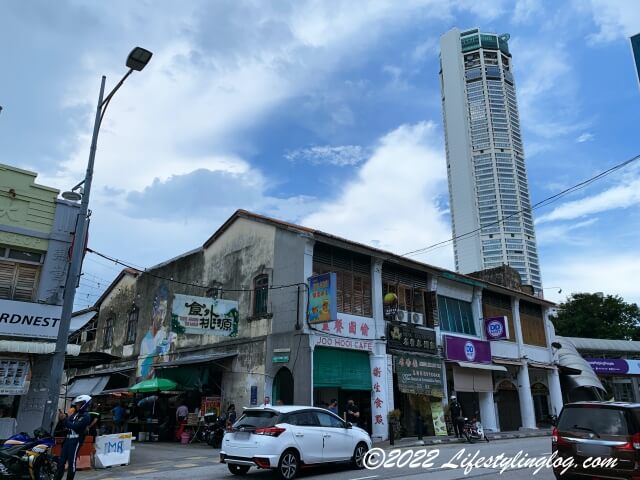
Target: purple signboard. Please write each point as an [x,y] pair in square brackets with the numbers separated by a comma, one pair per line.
[496,328]
[467,349]
[614,366]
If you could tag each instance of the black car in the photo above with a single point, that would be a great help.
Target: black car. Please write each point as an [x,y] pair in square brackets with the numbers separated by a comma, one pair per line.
[608,433]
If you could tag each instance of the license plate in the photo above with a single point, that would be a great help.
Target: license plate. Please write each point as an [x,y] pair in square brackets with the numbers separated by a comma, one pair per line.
[594,450]
[241,436]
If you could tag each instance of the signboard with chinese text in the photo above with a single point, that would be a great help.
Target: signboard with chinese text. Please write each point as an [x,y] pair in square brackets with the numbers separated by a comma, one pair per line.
[210,406]
[27,319]
[404,337]
[15,376]
[322,298]
[205,316]
[467,349]
[496,328]
[419,374]
[348,326]
[379,401]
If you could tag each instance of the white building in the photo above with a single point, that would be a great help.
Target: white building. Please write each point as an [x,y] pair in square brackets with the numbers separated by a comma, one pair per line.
[488,189]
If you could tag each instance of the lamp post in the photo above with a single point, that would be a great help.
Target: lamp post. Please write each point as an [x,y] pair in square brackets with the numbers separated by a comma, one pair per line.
[137,60]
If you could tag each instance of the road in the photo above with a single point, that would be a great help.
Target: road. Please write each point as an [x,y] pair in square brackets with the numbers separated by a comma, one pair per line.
[205,466]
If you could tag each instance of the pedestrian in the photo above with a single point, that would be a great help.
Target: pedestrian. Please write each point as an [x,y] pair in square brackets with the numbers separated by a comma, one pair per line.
[333,406]
[118,412]
[352,413]
[92,429]
[75,423]
[182,412]
[455,410]
[231,415]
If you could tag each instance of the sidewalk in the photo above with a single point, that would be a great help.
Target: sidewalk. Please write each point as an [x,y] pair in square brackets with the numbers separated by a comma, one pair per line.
[414,442]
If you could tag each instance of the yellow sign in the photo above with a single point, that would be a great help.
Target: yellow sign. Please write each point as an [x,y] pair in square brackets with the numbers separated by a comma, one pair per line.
[437,414]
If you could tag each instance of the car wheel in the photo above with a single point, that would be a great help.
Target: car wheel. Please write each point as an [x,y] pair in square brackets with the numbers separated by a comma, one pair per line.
[238,469]
[358,455]
[288,465]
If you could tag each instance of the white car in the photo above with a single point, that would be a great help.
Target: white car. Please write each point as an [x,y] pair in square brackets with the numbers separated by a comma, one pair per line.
[285,438]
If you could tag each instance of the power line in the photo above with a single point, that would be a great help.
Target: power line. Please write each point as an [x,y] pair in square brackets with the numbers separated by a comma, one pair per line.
[540,204]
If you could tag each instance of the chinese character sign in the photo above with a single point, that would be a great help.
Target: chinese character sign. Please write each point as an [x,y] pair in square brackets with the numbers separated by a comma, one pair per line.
[205,316]
[322,298]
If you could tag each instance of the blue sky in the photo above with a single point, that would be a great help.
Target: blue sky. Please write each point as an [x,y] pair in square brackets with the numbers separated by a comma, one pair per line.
[325,113]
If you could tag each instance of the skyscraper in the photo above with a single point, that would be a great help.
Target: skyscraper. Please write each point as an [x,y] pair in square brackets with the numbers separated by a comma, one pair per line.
[488,188]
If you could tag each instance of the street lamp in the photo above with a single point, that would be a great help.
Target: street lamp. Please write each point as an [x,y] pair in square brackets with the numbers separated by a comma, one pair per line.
[137,60]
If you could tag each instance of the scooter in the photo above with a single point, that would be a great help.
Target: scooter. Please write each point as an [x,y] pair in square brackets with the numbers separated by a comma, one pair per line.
[25,457]
[473,430]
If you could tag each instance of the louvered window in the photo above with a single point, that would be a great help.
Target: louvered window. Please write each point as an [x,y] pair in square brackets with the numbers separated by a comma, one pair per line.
[18,281]
[107,331]
[353,278]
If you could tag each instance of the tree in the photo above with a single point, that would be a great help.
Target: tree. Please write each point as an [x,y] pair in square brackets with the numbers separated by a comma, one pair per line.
[592,315]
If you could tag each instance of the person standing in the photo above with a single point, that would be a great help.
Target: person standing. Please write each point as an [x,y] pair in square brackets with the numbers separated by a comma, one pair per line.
[182,412]
[352,413]
[333,406]
[92,429]
[455,410]
[75,423]
[118,413]
[231,415]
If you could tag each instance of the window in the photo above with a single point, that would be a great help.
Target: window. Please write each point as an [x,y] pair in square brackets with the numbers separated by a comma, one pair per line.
[455,315]
[90,330]
[327,420]
[260,295]
[107,331]
[302,419]
[132,325]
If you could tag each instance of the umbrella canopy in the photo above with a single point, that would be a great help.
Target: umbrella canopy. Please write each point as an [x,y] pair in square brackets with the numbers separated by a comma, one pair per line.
[155,385]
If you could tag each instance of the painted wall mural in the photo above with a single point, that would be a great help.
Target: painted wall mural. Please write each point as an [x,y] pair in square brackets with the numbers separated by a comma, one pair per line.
[156,343]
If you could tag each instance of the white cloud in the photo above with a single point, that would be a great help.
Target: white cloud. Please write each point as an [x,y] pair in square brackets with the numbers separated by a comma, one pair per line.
[585,137]
[393,202]
[525,10]
[623,195]
[616,19]
[340,156]
[557,234]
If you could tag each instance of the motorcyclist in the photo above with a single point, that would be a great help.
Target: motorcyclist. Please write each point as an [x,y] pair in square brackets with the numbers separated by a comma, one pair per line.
[75,423]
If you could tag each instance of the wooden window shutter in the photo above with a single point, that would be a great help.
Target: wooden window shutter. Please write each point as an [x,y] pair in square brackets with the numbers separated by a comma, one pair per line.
[366,286]
[347,292]
[26,282]
[7,275]
[339,291]
[358,295]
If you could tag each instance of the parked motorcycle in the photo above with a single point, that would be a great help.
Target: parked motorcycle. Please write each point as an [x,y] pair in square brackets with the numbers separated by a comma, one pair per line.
[24,457]
[473,430]
[212,431]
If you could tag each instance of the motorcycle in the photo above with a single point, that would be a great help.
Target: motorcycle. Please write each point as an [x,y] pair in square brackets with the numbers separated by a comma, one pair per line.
[24,457]
[212,431]
[473,430]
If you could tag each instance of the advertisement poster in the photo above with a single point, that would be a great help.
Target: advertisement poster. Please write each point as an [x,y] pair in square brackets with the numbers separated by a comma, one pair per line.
[419,374]
[322,298]
[205,316]
[437,414]
[210,406]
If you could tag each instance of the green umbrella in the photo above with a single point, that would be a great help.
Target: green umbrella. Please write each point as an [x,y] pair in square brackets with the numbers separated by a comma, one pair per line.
[155,385]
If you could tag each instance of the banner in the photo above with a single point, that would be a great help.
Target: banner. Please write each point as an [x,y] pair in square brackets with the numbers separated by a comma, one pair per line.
[437,415]
[322,298]
[113,450]
[496,328]
[467,349]
[614,366]
[419,374]
[205,316]
[26,319]
[401,337]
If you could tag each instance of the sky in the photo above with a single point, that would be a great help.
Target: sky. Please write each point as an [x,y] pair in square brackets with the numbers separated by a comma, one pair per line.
[323,113]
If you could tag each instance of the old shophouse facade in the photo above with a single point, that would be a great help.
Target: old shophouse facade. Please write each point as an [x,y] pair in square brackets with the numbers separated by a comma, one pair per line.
[409,355]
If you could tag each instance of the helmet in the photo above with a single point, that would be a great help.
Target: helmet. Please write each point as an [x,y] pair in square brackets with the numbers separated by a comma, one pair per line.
[81,403]
[453,397]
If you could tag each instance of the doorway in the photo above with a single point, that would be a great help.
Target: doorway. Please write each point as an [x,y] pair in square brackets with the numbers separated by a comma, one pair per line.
[508,407]
[282,391]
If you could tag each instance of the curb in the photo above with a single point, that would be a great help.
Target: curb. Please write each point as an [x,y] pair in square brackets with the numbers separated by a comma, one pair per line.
[440,441]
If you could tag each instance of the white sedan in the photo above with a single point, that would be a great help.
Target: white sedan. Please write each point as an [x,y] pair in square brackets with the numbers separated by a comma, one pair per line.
[284,438]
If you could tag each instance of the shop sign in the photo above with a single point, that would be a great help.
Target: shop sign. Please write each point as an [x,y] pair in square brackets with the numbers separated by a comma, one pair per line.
[401,337]
[26,319]
[467,349]
[496,328]
[419,374]
[614,366]
[210,406]
[14,376]
[113,450]
[205,316]
[322,298]
[351,326]
[338,342]
[280,359]
[378,396]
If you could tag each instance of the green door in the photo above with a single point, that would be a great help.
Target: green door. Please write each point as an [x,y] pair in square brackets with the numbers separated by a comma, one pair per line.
[340,368]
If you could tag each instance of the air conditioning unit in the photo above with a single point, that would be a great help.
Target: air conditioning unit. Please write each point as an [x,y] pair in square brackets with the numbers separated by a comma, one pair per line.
[403,316]
[417,318]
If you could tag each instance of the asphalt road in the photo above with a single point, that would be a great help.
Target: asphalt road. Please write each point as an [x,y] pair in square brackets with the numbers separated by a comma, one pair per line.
[447,464]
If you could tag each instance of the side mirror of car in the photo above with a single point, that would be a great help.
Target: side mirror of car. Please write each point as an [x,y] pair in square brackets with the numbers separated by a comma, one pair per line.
[348,425]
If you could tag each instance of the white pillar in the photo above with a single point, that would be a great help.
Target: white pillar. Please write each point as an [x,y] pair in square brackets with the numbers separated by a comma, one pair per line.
[488,412]
[526,399]
[379,399]
[555,392]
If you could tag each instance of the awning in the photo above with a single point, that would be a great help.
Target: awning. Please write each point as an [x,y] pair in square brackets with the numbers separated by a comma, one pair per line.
[87,386]
[506,361]
[196,359]
[40,348]
[81,320]
[545,366]
[89,359]
[482,366]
